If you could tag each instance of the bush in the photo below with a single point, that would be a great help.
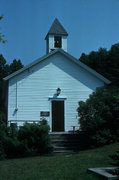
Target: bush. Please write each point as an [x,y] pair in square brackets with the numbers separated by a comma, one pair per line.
[29,140]
[13,147]
[99,115]
[35,137]
[2,117]
[3,134]
[10,146]
[115,157]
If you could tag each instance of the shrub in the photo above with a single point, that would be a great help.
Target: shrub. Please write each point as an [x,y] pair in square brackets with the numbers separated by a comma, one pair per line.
[13,147]
[2,117]
[10,146]
[29,140]
[35,137]
[3,134]
[115,157]
[99,115]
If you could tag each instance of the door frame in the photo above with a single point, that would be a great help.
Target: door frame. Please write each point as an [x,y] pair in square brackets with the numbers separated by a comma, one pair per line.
[57,99]
[58,116]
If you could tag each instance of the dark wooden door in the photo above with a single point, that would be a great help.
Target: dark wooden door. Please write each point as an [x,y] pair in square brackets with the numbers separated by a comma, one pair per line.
[57,116]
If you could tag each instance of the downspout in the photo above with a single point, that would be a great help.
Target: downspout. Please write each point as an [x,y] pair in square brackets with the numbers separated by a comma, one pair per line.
[16,109]
[16,103]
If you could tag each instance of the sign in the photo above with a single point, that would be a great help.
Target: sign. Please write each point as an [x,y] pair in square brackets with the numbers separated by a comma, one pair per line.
[44,113]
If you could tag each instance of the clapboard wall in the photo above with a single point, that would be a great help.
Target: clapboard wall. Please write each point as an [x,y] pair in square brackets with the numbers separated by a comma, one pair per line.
[32,91]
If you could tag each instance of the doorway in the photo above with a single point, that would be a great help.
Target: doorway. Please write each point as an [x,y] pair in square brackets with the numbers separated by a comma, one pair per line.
[57,116]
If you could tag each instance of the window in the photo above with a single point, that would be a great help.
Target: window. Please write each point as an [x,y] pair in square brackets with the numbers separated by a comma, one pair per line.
[57,42]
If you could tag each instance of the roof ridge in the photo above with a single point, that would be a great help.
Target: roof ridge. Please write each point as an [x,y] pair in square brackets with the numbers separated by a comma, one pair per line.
[75,60]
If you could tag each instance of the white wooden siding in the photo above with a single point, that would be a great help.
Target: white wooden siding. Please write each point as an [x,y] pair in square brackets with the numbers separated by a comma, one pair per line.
[64,43]
[35,85]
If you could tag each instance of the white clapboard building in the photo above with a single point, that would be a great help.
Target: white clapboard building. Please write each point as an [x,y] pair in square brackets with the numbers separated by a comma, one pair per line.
[51,86]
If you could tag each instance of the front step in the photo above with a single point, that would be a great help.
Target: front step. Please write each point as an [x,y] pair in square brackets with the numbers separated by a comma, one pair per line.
[68,142]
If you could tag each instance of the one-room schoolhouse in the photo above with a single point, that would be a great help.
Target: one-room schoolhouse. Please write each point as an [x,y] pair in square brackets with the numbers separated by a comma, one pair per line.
[51,86]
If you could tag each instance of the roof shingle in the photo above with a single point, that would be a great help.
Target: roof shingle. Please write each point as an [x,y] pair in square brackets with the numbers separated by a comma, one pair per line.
[57,29]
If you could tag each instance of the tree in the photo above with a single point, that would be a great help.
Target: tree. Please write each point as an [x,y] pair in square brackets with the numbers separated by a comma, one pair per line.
[6,70]
[99,115]
[113,62]
[1,35]
[104,62]
[15,65]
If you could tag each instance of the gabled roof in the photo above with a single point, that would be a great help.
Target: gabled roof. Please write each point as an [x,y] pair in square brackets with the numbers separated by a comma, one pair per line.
[57,29]
[79,63]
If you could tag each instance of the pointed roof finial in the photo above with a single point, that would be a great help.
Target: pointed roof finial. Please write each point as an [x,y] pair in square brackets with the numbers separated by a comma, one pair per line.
[57,29]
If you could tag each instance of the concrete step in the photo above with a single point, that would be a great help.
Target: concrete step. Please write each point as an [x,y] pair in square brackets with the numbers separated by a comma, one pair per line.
[67,142]
[64,149]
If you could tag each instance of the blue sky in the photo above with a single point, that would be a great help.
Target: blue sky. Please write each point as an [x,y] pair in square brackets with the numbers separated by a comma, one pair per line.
[91,24]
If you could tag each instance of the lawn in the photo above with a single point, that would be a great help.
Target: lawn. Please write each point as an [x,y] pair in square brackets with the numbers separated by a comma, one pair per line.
[57,166]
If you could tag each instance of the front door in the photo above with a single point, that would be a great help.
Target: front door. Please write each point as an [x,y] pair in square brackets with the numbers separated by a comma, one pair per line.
[57,116]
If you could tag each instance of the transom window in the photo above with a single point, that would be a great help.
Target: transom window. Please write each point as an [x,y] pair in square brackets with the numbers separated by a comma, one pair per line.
[57,42]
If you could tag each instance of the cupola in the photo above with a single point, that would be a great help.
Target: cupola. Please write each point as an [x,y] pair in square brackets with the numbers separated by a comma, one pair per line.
[56,37]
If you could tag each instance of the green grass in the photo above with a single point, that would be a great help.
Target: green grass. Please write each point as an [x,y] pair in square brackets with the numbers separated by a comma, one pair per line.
[58,166]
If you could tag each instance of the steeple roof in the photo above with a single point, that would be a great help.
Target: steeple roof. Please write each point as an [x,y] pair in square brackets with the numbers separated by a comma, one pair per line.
[57,29]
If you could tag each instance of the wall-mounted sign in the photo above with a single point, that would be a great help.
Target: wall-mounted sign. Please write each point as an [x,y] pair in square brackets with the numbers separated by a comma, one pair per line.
[44,113]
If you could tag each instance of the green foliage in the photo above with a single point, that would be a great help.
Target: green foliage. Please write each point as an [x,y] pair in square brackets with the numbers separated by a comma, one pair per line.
[10,146]
[1,35]
[35,137]
[105,62]
[15,65]
[2,117]
[115,158]
[31,139]
[13,147]
[99,115]
[3,67]
[6,70]
[3,134]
